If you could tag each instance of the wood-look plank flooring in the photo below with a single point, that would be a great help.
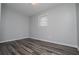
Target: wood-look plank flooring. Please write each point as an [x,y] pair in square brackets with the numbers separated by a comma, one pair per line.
[35,47]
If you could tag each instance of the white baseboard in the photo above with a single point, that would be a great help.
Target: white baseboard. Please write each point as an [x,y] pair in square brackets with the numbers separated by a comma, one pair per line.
[12,40]
[57,42]
[43,40]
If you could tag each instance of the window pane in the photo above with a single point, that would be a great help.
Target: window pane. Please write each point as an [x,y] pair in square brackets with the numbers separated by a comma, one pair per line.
[43,21]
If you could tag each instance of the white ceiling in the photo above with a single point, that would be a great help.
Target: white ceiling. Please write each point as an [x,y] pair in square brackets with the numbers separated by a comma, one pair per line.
[29,9]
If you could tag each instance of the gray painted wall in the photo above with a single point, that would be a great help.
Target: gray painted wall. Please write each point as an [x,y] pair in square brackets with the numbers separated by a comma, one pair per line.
[14,25]
[0,21]
[77,11]
[61,27]
[0,12]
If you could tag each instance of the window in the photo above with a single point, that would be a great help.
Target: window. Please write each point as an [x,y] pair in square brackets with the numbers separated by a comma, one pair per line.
[43,21]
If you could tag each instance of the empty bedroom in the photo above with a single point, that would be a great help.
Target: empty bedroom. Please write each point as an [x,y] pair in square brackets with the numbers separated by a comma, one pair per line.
[39,29]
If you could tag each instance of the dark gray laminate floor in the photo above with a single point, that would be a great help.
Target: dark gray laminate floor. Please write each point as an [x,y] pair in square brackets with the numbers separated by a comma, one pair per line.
[35,47]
